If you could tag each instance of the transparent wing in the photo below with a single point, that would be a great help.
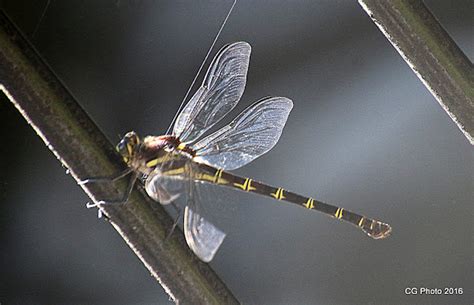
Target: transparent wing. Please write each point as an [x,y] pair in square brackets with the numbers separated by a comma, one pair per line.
[220,91]
[202,236]
[251,134]
[164,189]
[165,184]
[168,181]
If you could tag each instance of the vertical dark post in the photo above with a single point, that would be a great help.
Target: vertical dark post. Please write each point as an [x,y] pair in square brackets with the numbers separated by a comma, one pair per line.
[434,57]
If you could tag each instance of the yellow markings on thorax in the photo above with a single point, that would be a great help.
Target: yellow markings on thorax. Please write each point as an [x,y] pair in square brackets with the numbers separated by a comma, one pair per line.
[181,146]
[338,213]
[361,222]
[129,149]
[247,186]
[155,162]
[279,195]
[309,204]
[152,163]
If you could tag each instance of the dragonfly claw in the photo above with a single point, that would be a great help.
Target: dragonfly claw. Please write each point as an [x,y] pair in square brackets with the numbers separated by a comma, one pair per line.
[107,178]
[90,205]
[82,182]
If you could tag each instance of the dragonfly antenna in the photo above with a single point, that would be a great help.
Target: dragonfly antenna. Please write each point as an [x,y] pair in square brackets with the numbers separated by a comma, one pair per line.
[202,65]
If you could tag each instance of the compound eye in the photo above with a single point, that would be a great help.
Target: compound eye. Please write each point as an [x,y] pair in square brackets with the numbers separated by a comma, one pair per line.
[121,147]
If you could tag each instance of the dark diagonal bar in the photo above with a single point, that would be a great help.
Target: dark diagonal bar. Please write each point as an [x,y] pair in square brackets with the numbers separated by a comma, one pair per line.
[431,53]
[77,142]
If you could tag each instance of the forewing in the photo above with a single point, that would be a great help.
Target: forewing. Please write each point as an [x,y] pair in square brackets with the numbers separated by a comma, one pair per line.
[220,91]
[251,134]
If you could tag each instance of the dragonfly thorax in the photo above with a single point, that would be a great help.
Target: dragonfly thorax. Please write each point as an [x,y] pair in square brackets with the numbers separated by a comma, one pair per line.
[144,155]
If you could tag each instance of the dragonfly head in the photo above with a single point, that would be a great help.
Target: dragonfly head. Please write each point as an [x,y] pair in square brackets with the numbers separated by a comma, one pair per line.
[128,146]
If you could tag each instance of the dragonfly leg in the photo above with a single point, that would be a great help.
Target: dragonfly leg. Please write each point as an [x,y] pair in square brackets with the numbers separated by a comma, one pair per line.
[123,199]
[106,179]
[176,220]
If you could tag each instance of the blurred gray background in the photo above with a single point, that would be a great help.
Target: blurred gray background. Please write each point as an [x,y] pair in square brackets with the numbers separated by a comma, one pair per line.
[364,134]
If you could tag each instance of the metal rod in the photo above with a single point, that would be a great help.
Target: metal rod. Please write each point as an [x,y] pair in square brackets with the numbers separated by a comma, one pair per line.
[77,142]
[431,53]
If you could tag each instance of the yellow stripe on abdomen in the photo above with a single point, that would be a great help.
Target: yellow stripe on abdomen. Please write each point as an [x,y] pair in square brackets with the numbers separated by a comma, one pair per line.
[279,194]
[246,186]
[218,177]
[175,171]
[338,213]
[309,204]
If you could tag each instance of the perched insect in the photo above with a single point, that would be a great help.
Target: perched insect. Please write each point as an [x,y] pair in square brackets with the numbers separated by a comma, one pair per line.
[182,157]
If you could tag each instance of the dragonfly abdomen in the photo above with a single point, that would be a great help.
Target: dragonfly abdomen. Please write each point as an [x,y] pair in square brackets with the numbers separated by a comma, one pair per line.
[371,227]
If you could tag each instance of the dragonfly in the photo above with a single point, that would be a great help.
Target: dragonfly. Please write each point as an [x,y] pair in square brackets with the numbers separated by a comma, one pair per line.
[186,156]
